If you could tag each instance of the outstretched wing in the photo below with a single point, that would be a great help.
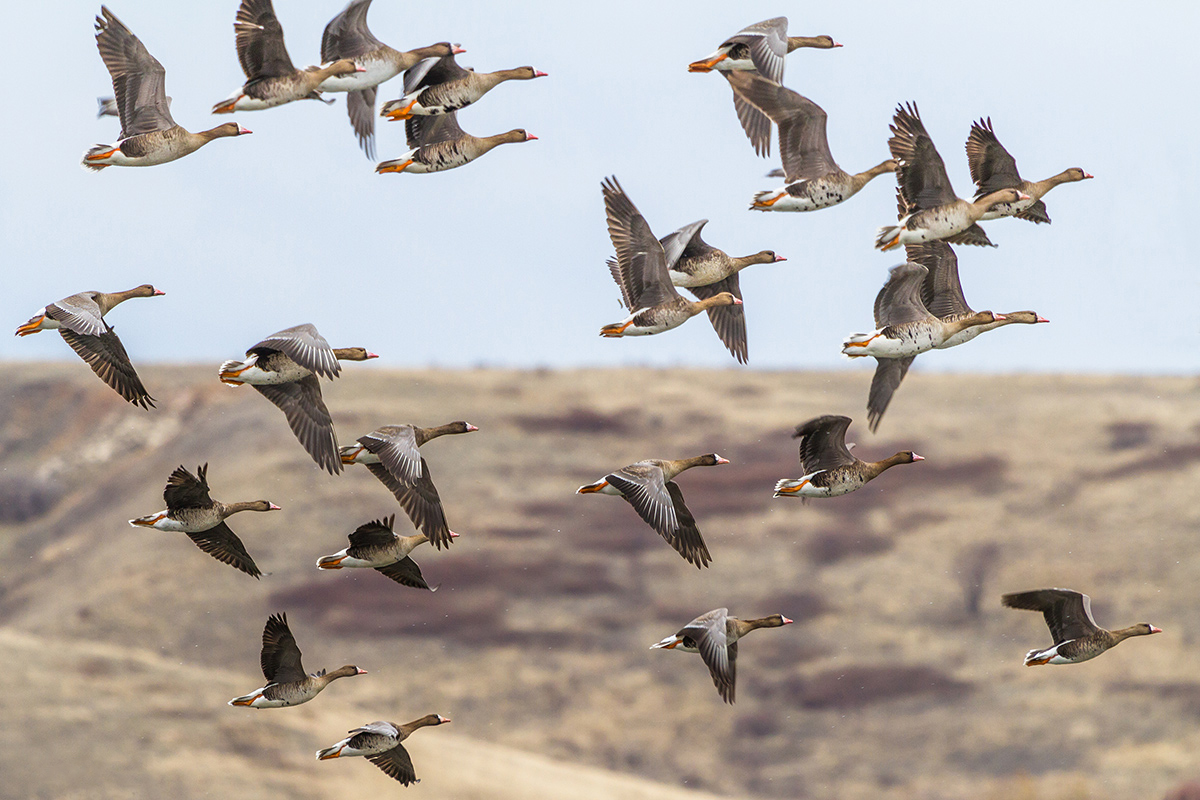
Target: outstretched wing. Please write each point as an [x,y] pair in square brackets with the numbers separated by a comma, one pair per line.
[709,633]
[347,34]
[420,501]
[305,346]
[728,321]
[941,291]
[889,372]
[139,81]
[223,544]
[641,261]
[422,131]
[107,357]
[992,167]
[280,657]
[405,572]
[899,301]
[1068,614]
[803,143]
[360,105]
[920,173]
[308,418]
[185,490]
[397,764]
[259,40]
[823,443]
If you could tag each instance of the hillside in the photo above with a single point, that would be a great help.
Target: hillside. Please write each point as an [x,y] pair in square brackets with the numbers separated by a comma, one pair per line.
[122,645]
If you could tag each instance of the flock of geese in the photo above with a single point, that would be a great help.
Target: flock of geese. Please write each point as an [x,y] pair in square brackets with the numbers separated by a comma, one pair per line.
[921,307]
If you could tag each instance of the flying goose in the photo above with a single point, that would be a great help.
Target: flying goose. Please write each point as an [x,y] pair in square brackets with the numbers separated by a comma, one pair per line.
[348,37]
[830,470]
[642,271]
[759,48]
[149,135]
[904,327]
[192,510]
[707,271]
[392,455]
[1068,614]
[992,169]
[942,294]
[380,742]
[649,486]
[271,77]
[447,87]
[929,208]
[375,545]
[79,319]
[287,683]
[283,368]
[439,144]
[715,636]
[814,180]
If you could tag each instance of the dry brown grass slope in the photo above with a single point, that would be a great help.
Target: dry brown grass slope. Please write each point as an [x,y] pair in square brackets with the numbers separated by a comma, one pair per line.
[123,644]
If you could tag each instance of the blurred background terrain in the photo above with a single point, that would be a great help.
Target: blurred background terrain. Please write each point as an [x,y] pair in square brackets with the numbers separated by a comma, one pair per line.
[901,679]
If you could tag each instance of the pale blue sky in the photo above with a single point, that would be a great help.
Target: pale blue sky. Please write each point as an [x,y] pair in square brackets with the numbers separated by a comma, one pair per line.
[502,262]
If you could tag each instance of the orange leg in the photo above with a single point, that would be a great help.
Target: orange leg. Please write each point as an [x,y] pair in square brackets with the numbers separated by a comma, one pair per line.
[382,168]
[616,329]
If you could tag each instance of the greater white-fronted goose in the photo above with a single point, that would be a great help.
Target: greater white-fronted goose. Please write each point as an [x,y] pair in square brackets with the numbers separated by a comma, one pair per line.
[348,37]
[715,636]
[929,208]
[380,742]
[814,180]
[649,486]
[446,87]
[375,545]
[393,456]
[439,144]
[283,368]
[761,48]
[108,107]
[642,272]
[192,510]
[271,77]
[904,327]
[149,135]
[942,294]
[79,319]
[707,271]
[992,169]
[830,470]
[287,683]
[1068,614]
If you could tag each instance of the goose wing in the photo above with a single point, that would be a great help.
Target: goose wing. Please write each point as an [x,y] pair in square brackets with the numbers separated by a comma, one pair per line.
[899,301]
[728,321]
[347,34]
[107,357]
[921,173]
[139,80]
[308,418]
[823,443]
[941,292]
[223,544]
[1068,614]
[304,345]
[992,167]
[803,144]
[259,41]
[280,657]
[641,261]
